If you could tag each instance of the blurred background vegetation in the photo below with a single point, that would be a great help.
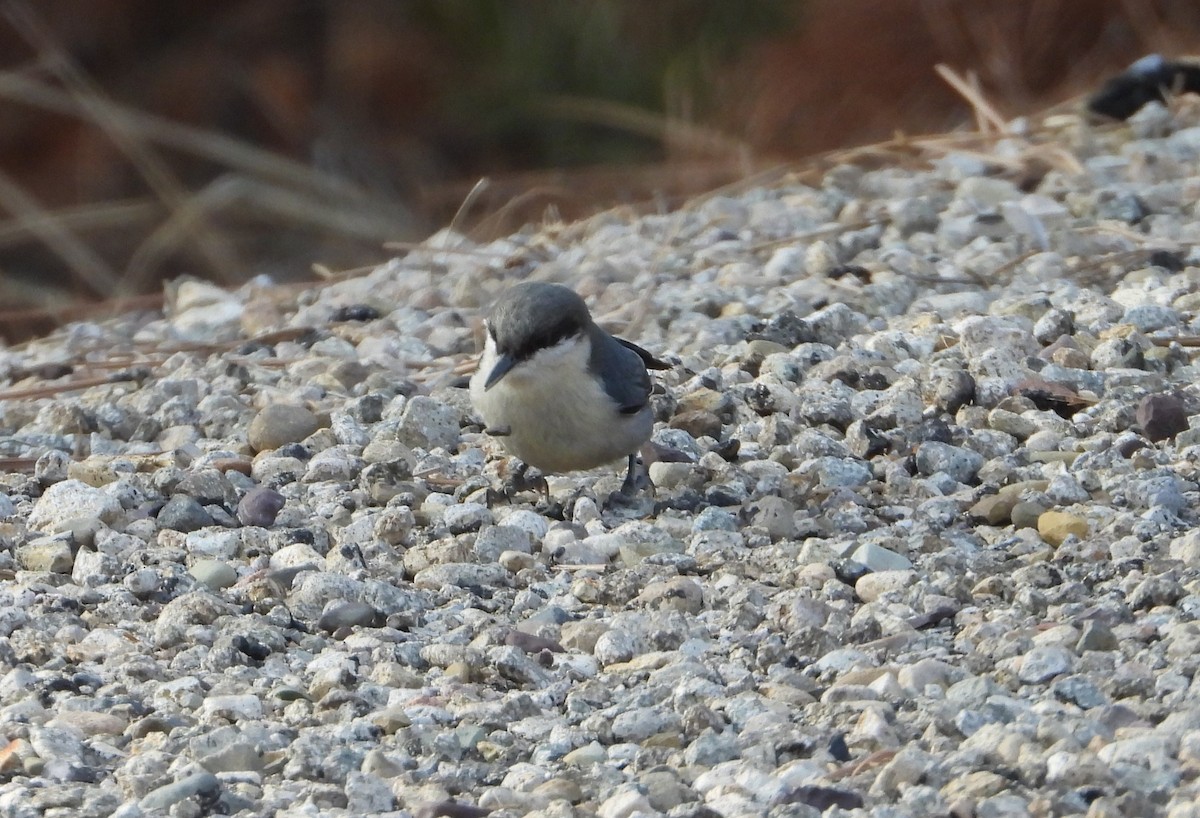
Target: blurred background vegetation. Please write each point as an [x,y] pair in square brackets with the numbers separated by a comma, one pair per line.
[145,139]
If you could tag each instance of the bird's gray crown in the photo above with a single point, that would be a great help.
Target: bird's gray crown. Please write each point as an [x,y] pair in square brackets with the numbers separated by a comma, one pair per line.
[532,316]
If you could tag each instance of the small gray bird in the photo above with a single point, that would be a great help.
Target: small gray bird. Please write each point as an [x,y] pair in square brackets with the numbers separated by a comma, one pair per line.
[561,393]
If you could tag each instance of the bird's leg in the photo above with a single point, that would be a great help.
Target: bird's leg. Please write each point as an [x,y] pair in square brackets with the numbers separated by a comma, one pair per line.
[630,486]
[636,479]
[627,497]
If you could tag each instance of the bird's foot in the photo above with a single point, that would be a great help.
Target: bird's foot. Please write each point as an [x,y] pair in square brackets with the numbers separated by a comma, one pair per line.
[636,478]
[524,478]
[630,495]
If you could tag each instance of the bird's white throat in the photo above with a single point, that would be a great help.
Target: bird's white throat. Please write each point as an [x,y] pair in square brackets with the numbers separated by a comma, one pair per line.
[554,412]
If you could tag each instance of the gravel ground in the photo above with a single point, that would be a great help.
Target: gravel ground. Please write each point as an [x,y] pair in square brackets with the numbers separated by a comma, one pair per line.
[925,545]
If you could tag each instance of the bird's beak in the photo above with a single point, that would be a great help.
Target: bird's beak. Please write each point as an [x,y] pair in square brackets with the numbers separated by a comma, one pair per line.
[503,364]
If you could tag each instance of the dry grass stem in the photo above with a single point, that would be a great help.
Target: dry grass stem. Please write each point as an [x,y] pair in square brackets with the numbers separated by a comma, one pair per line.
[79,257]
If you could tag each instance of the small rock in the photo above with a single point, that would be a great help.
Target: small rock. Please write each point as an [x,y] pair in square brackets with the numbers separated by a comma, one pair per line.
[1053,324]
[590,753]
[715,519]
[1162,416]
[669,475]
[1154,591]
[1027,513]
[1056,526]
[183,513]
[235,757]
[515,561]
[1097,636]
[1151,317]
[347,613]
[697,423]
[1079,690]
[279,424]
[777,516]
[676,594]
[952,389]
[626,802]
[988,192]
[368,794]
[532,523]
[994,509]
[919,675]
[70,500]
[1043,663]
[961,464]
[822,798]
[462,574]
[233,707]
[427,423]
[785,263]
[665,790]
[494,540]
[582,635]
[465,517]
[205,785]
[260,507]
[874,585]
[50,554]
[214,574]
[877,558]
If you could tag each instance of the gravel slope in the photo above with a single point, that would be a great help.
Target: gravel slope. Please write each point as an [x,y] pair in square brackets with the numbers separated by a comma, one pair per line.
[933,551]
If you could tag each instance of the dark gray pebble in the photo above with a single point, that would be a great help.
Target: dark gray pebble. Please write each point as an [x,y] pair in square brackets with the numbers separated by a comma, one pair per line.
[260,507]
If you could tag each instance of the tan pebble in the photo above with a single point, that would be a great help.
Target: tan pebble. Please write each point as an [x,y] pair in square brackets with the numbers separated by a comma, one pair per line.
[1056,526]
[871,587]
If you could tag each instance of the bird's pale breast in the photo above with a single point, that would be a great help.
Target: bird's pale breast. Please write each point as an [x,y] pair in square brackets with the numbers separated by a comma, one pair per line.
[559,417]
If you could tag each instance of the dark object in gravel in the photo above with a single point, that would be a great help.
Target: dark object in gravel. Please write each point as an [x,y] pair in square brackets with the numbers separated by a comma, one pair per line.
[532,643]
[933,429]
[953,390]
[856,270]
[1131,445]
[43,372]
[183,513]
[1055,397]
[838,748]
[1169,261]
[1162,416]
[251,647]
[787,329]
[688,500]
[720,496]
[448,809]
[849,571]
[1147,80]
[728,449]
[932,618]
[822,798]
[260,507]
[355,312]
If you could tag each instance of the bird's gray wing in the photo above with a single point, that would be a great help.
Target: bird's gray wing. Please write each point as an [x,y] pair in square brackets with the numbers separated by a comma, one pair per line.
[621,370]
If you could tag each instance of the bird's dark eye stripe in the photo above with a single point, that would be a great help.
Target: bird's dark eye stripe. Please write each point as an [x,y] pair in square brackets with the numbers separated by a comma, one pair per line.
[543,340]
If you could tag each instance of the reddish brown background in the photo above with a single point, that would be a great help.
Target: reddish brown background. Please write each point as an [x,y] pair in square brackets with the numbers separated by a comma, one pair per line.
[409,105]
